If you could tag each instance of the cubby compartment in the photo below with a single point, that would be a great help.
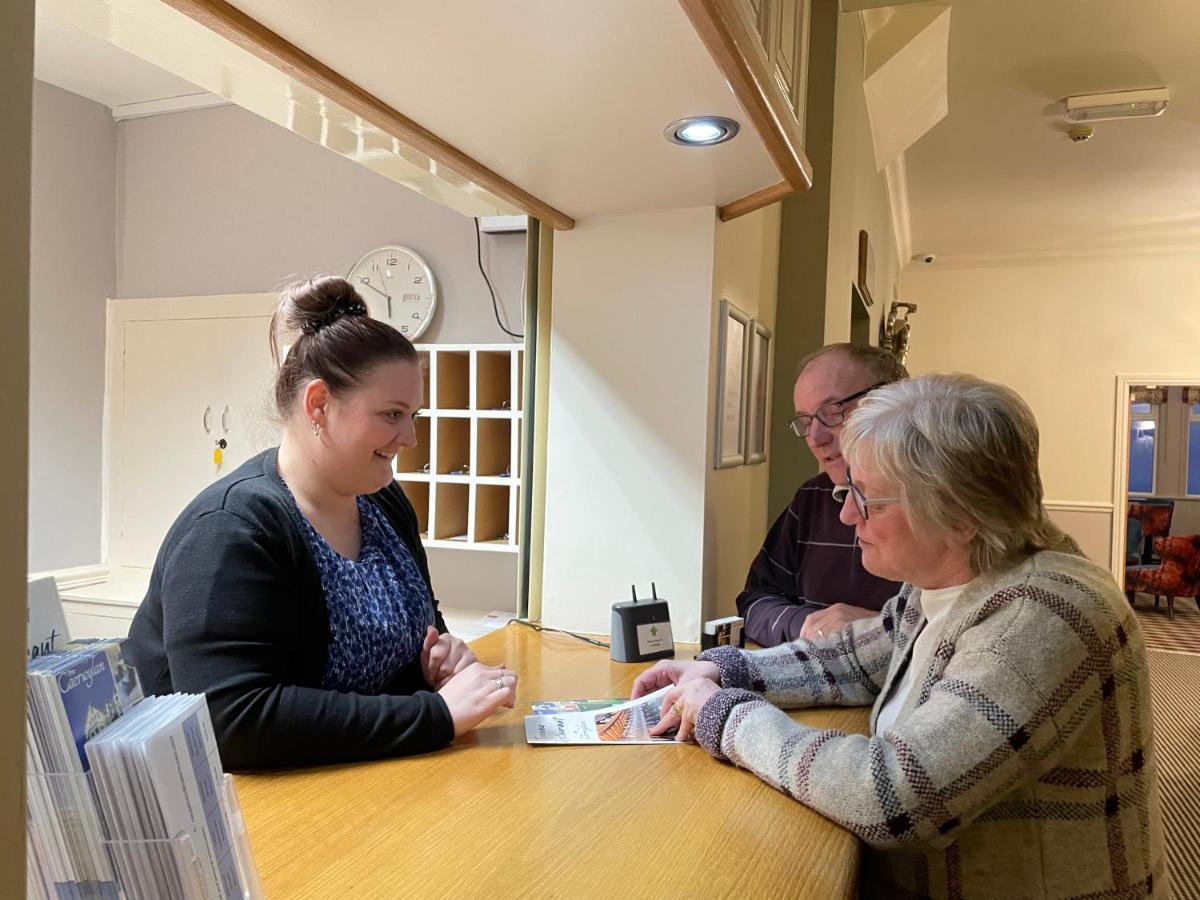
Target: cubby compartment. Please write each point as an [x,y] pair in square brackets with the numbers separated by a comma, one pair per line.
[450,513]
[417,493]
[493,380]
[493,447]
[416,459]
[453,371]
[491,514]
[453,446]
[424,362]
[462,476]
[518,448]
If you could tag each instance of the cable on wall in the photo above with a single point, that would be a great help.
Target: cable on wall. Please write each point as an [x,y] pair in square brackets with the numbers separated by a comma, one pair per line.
[488,282]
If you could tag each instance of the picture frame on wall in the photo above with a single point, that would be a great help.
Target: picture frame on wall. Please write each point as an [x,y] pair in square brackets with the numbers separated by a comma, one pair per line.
[733,366]
[866,270]
[758,389]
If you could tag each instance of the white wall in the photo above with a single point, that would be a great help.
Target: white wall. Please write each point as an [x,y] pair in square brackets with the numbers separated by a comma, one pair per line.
[219,201]
[628,416]
[745,272]
[72,273]
[1059,333]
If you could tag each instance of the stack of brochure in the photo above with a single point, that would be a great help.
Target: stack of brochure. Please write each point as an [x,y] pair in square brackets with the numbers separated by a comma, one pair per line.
[158,775]
[69,697]
[126,794]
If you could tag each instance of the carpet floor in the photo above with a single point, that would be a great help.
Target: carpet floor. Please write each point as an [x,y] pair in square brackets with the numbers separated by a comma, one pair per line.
[1175,693]
[1180,636]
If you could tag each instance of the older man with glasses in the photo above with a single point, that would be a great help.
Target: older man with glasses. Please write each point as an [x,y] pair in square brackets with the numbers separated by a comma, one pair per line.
[808,580]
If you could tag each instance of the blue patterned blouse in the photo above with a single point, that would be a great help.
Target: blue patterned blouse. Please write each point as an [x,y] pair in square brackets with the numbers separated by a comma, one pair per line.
[379,606]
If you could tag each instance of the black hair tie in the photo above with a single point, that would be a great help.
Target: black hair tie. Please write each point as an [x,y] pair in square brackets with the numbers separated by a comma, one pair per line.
[354,309]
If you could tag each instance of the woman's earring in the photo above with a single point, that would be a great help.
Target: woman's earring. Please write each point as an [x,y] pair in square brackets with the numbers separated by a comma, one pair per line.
[316,428]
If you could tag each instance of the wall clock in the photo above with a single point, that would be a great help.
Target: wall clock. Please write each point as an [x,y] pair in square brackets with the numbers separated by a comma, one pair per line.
[398,287]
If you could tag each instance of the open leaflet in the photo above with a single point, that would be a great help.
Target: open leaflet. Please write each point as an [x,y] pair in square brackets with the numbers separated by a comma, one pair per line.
[597,721]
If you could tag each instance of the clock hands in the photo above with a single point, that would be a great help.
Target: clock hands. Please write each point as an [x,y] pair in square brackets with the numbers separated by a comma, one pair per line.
[382,294]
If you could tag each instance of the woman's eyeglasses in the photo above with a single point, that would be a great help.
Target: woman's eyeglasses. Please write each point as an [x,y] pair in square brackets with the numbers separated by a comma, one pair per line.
[830,414]
[861,502]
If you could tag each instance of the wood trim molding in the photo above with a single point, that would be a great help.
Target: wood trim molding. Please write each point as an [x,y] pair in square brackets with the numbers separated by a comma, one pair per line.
[732,48]
[757,200]
[271,48]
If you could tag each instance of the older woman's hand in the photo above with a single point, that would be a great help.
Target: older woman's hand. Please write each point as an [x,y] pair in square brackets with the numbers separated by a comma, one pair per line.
[829,621]
[682,705]
[442,657]
[671,671]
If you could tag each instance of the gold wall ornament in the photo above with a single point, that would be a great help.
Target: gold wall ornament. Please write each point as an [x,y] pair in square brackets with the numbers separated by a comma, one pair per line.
[894,330]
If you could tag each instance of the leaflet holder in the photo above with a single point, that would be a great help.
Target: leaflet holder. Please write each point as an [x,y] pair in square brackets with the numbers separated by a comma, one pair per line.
[71,851]
[641,629]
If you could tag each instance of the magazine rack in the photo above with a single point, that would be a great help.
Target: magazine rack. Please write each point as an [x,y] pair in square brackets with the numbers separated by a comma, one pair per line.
[71,850]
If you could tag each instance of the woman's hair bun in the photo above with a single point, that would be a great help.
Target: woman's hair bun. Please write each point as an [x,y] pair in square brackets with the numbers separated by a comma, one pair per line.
[308,306]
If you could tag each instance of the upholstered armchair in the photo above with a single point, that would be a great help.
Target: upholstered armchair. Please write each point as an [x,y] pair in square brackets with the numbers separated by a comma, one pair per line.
[1178,575]
[1155,517]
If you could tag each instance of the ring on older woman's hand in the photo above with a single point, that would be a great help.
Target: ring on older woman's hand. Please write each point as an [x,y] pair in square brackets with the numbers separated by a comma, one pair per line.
[820,633]
[678,707]
[500,683]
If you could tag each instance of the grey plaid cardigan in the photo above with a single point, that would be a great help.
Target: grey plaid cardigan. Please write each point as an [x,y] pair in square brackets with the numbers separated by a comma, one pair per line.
[1021,763]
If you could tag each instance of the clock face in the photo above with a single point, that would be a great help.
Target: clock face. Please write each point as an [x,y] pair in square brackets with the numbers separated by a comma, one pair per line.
[398,287]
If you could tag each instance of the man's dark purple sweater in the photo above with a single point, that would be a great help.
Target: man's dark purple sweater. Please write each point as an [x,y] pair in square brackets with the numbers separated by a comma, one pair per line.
[809,560]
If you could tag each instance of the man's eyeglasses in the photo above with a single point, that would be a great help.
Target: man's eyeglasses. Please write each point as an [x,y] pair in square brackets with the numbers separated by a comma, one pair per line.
[830,415]
[861,502]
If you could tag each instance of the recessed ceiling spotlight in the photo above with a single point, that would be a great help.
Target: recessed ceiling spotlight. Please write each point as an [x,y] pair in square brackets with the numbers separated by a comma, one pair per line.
[701,131]
[1120,105]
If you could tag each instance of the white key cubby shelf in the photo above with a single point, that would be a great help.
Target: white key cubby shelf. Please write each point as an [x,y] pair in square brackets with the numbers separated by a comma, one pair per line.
[463,476]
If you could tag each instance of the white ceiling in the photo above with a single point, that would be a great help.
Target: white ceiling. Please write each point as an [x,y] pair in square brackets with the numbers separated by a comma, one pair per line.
[999,175]
[566,98]
[70,58]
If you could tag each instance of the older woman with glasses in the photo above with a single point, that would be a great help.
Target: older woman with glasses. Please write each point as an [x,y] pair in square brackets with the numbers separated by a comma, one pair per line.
[1011,749]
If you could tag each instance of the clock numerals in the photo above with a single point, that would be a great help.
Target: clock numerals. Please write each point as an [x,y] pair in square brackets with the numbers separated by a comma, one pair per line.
[378,274]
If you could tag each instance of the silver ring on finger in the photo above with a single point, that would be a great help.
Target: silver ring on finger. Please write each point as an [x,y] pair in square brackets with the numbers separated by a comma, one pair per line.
[500,683]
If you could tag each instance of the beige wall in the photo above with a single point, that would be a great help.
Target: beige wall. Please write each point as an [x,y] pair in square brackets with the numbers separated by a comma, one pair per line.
[627,417]
[745,272]
[1059,333]
[72,273]
[16,87]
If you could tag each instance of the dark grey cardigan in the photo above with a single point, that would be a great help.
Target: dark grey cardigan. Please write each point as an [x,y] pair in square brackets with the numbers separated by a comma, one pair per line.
[236,610]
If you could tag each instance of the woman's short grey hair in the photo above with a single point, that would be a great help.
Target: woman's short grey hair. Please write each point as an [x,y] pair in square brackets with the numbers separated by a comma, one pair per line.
[964,454]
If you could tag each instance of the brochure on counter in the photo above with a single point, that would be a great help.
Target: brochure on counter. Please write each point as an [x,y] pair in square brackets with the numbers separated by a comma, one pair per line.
[611,721]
